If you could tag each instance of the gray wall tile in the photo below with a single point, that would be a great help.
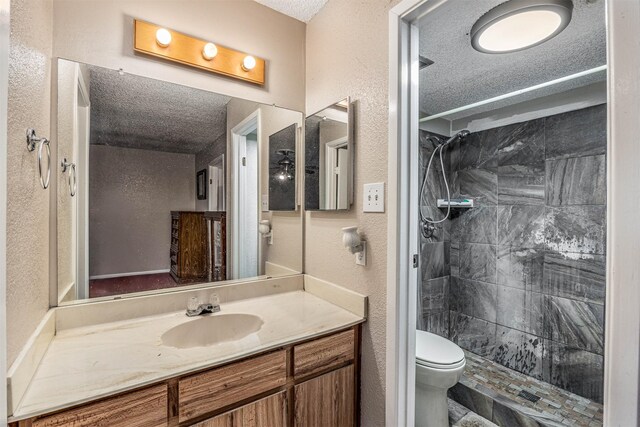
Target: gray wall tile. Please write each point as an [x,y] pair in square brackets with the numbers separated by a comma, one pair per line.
[521,310]
[520,268]
[479,184]
[521,226]
[574,369]
[580,229]
[477,225]
[475,335]
[521,144]
[576,181]
[435,295]
[576,133]
[435,260]
[576,276]
[521,185]
[478,262]
[519,351]
[576,323]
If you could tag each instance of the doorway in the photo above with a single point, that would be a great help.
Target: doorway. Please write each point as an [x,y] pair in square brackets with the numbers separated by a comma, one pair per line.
[245,206]
[620,365]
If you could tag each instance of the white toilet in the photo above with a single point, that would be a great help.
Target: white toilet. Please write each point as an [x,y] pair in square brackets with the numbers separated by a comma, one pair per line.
[439,366]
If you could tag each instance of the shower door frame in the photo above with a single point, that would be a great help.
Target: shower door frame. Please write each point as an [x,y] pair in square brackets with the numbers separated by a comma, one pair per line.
[622,321]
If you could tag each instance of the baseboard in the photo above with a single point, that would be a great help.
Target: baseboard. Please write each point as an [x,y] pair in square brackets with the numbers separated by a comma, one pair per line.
[133,273]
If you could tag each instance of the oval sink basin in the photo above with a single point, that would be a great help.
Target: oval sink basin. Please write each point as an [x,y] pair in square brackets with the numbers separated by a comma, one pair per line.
[210,330]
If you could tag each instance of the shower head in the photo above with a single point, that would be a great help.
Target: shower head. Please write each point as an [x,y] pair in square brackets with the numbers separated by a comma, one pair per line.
[458,136]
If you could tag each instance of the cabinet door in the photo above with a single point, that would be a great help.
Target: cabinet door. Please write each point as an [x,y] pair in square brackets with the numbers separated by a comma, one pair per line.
[326,401]
[268,412]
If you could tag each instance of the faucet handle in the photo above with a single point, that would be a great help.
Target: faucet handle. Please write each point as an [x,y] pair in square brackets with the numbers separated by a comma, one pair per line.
[214,299]
[193,304]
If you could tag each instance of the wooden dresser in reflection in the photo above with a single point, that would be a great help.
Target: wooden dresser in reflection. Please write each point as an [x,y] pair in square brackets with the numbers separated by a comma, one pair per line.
[198,246]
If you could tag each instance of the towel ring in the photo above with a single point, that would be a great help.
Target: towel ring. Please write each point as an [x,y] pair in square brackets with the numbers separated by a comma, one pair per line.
[73,177]
[32,141]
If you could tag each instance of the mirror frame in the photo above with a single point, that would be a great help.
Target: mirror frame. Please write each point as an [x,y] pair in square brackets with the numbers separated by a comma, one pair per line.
[351,146]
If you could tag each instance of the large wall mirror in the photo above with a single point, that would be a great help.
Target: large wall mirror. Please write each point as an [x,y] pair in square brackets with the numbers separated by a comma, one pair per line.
[329,158]
[161,186]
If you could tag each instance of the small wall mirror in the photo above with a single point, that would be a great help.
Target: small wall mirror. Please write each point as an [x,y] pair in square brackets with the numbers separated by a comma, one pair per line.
[329,157]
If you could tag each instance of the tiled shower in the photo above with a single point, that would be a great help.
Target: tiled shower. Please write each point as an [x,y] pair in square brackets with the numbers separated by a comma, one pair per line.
[520,278]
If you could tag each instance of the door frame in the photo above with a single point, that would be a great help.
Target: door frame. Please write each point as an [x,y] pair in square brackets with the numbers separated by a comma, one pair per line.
[252,123]
[4,82]
[328,160]
[621,361]
[82,124]
[218,162]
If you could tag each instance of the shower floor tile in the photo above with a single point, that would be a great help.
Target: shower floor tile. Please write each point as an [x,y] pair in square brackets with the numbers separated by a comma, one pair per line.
[509,398]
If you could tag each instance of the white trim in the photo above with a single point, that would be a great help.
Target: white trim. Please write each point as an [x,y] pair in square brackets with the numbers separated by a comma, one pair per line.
[4,80]
[602,68]
[622,323]
[622,352]
[133,273]
[82,121]
[252,122]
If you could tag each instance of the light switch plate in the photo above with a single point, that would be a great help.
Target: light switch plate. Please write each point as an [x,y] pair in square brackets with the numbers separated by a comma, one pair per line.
[373,197]
[265,203]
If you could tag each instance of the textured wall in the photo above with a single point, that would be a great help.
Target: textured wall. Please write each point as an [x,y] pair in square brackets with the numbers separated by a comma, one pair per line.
[347,55]
[204,159]
[107,40]
[131,195]
[527,266]
[27,202]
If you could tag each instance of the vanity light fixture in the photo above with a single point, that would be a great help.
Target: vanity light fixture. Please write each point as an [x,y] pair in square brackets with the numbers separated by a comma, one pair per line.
[209,51]
[248,63]
[154,40]
[520,24]
[163,37]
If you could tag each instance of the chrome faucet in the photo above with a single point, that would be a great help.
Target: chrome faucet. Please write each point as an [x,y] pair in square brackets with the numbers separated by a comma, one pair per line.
[195,308]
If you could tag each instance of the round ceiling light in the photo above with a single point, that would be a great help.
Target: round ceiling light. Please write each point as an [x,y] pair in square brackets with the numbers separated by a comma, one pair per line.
[520,24]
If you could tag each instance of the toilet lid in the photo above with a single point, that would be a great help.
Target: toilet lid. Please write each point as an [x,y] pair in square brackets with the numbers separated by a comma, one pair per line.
[432,349]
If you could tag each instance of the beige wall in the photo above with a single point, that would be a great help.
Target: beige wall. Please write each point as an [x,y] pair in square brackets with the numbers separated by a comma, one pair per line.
[347,55]
[27,202]
[101,33]
[131,195]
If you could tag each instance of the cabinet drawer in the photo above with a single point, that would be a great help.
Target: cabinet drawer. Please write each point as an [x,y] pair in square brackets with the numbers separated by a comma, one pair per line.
[143,408]
[215,389]
[318,355]
[268,412]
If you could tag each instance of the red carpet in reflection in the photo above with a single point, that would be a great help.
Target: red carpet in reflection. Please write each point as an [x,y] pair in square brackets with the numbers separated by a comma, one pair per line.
[128,284]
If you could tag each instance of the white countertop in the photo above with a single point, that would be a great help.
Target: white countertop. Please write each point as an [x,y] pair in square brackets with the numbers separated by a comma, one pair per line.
[91,362]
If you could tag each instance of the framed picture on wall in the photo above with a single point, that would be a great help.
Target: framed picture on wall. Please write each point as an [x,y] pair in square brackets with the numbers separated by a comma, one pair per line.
[201,184]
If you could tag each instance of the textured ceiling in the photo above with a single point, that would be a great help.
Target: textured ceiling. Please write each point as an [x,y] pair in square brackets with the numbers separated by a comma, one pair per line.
[302,10]
[461,75]
[137,112]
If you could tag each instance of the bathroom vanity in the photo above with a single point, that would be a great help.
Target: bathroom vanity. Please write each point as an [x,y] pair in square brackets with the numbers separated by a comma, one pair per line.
[279,353]
[311,382]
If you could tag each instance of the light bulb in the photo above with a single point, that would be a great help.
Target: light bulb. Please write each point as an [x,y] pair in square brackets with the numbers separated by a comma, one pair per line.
[248,63]
[209,51]
[163,37]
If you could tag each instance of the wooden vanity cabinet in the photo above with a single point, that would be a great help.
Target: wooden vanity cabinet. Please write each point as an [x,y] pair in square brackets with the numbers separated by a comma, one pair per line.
[312,383]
